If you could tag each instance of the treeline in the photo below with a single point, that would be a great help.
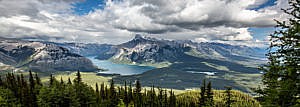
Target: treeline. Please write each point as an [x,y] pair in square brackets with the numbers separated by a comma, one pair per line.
[281,78]
[16,91]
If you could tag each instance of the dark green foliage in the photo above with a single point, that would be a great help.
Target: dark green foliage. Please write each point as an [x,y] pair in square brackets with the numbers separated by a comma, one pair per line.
[281,76]
[1,82]
[32,90]
[98,98]
[130,94]
[58,95]
[69,81]
[138,95]
[126,99]
[78,78]
[202,94]
[228,98]
[7,99]
[209,95]
[102,92]
[84,93]
[15,91]
[206,95]
[172,99]
[51,81]
[38,80]
[61,81]
[113,95]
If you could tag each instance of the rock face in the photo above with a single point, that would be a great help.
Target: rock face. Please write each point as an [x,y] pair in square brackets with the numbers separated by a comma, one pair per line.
[86,49]
[150,50]
[39,56]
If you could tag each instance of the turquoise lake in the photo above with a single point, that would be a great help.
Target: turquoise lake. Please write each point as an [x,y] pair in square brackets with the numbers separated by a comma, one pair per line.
[121,69]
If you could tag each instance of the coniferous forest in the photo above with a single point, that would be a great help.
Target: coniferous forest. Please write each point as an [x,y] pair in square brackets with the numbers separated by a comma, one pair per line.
[18,91]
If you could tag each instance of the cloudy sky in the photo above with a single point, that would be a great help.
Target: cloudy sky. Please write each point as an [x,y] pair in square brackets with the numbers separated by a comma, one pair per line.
[241,22]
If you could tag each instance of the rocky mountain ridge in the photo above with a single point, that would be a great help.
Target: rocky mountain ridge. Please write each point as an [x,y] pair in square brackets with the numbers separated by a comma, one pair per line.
[143,49]
[40,56]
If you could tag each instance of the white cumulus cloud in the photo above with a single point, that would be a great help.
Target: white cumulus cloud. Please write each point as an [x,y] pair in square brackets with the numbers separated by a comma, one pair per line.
[199,20]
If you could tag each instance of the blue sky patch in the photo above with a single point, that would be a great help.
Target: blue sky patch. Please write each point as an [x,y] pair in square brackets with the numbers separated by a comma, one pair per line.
[82,8]
[266,4]
[261,33]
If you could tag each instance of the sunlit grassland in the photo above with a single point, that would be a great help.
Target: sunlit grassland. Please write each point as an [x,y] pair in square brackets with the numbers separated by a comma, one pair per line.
[90,78]
[240,99]
[251,81]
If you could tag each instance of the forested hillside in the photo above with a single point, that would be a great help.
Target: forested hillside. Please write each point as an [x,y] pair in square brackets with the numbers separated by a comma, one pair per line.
[18,91]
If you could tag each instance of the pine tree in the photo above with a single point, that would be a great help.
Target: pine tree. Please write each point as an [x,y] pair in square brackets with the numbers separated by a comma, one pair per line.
[78,78]
[51,80]
[102,92]
[281,76]
[165,98]
[160,97]
[84,93]
[61,81]
[172,99]
[32,92]
[152,97]
[38,80]
[113,95]
[202,99]
[138,95]
[126,100]
[209,95]
[69,81]
[228,98]
[31,81]
[98,99]
[7,99]
[1,82]
[24,93]
[130,94]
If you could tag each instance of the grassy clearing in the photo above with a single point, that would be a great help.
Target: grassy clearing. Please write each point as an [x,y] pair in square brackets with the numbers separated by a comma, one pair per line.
[240,99]
[218,67]
[248,80]
[90,78]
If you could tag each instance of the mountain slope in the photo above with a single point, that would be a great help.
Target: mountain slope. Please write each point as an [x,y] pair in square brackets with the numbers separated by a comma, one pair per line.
[85,49]
[189,63]
[145,50]
[39,56]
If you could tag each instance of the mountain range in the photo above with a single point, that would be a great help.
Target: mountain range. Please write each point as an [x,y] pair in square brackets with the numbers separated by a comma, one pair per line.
[143,50]
[38,56]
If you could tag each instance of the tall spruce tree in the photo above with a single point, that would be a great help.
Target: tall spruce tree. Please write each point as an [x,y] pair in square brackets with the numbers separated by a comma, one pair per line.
[1,82]
[209,95]
[24,93]
[202,99]
[228,98]
[37,80]
[282,73]
[69,81]
[130,95]
[138,94]
[61,81]
[172,99]
[78,78]
[126,100]
[102,92]
[51,80]
[113,95]
[32,91]
[97,92]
